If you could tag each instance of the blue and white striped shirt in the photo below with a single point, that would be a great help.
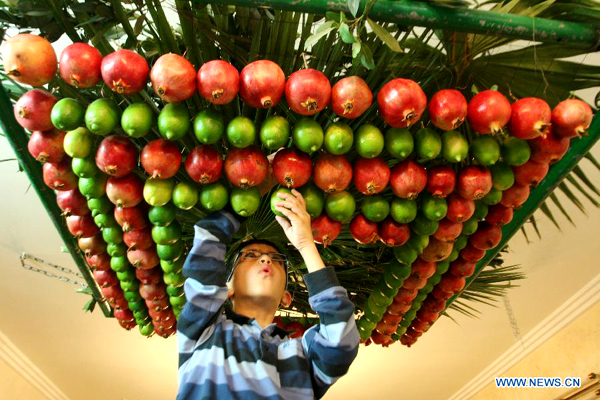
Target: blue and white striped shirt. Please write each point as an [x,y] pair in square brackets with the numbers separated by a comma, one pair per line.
[223,355]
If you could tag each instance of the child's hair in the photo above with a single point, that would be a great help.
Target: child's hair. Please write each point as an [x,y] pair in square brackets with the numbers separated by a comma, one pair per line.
[233,261]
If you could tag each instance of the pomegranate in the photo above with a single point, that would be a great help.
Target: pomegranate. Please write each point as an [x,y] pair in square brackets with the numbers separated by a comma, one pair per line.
[139,239]
[149,276]
[414,282]
[158,304]
[499,215]
[399,308]
[218,81]
[432,305]
[515,196]
[420,326]
[106,278]
[47,146]
[406,296]
[462,268]
[436,251]
[549,148]
[292,167]
[488,112]
[59,176]
[571,118]
[152,292]
[92,245]
[332,173]
[325,230]
[427,314]
[116,156]
[71,202]
[401,102]
[363,230]
[131,218]
[161,158]
[144,259]
[452,284]
[29,59]
[99,261]
[80,65]
[408,179]
[474,182]
[471,254]
[530,118]
[531,173]
[262,84]
[370,175]
[392,233]
[82,226]
[124,315]
[386,328]
[163,316]
[246,167]
[118,303]
[173,78]
[440,294]
[307,91]
[459,208]
[379,338]
[448,109]
[126,191]
[351,97]
[423,269]
[125,72]
[112,293]
[204,164]
[487,236]
[407,340]
[32,110]
[448,231]
[441,180]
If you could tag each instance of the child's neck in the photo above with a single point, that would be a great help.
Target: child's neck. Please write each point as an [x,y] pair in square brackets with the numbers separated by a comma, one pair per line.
[259,309]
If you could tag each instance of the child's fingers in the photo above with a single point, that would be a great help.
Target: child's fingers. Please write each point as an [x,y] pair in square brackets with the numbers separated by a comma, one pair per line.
[296,208]
[288,213]
[285,224]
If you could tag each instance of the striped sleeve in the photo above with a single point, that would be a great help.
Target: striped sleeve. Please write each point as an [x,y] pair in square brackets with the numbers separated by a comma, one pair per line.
[332,345]
[205,287]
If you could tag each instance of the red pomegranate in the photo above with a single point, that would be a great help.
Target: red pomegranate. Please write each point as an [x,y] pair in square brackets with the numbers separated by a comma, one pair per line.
[58,176]
[32,110]
[125,72]
[246,167]
[499,215]
[127,325]
[407,340]
[351,97]
[80,65]
[204,164]
[428,315]
[486,237]
[414,282]
[420,325]
[531,173]
[158,305]
[152,292]
[440,294]
[385,327]
[452,284]
[161,159]
[436,251]
[448,109]
[459,208]
[71,202]
[173,78]
[441,180]
[105,278]
[325,230]
[406,296]
[139,239]
[408,179]
[262,84]
[488,112]
[432,305]
[292,167]
[126,191]
[92,245]
[448,231]
[399,308]
[82,226]
[423,269]
[144,259]
[307,91]
[471,254]
[392,233]
[112,293]
[150,276]
[99,261]
[370,175]
[28,59]
[131,218]
[515,196]
[116,156]
[124,315]
[462,268]
[47,146]
[218,81]
[332,173]
[571,118]
[474,182]
[381,339]
[530,118]
[363,230]
[549,148]
[118,303]
[401,102]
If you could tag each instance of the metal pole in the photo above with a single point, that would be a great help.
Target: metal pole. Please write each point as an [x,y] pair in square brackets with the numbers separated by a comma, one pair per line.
[18,141]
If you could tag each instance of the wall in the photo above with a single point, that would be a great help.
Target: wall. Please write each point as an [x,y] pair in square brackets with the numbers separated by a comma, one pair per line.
[14,386]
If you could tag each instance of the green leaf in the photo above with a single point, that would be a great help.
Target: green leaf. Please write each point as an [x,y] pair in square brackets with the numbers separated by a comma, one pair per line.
[323,30]
[345,33]
[333,16]
[385,36]
[139,25]
[90,305]
[355,49]
[581,175]
[556,201]
[366,58]
[546,210]
[353,6]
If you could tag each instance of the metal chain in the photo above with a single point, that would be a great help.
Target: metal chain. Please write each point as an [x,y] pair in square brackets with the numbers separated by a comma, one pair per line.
[24,256]
[513,321]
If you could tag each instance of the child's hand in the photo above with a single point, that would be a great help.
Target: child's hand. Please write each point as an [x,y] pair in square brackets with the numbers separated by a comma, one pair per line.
[297,226]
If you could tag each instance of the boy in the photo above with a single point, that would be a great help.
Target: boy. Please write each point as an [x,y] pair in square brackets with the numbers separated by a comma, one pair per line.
[241,353]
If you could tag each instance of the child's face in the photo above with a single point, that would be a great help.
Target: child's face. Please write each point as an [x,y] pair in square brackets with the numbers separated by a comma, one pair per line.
[259,277]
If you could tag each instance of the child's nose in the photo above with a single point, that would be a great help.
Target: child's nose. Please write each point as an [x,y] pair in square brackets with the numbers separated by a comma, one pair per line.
[265,259]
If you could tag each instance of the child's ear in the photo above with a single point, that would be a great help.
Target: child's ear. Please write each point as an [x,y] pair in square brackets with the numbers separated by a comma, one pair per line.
[286,300]
[230,291]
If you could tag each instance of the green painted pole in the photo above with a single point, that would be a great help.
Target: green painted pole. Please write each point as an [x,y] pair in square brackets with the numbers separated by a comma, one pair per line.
[556,174]
[421,13]
[18,141]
